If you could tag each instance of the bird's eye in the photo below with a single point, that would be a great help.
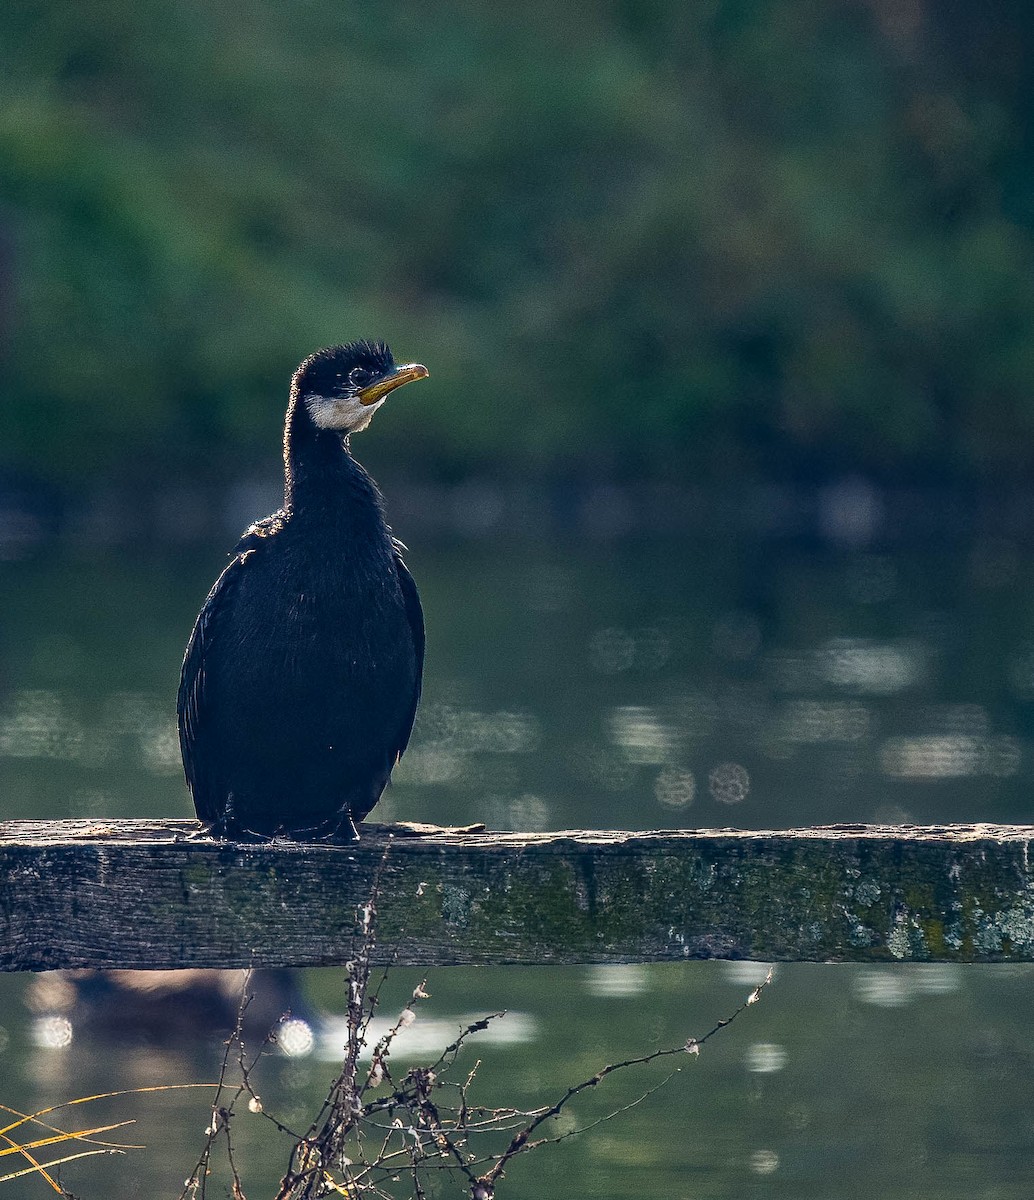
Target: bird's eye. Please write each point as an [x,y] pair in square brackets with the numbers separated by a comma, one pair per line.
[359,377]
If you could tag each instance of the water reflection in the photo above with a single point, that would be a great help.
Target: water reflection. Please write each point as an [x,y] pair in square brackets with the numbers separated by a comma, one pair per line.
[764,1058]
[949,756]
[818,1081]
[764,1162]
[625,685]
[46,724]
[887,987]
[36,725]
[425,1035]
[794,686]
[616,981]
[870,667]
[747,974]
[814,721]
[640,734]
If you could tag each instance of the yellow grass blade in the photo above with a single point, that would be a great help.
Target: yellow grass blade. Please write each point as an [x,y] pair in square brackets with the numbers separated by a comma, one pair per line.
[40,1168]
[43,1112]
[34,1168]
[82,1135]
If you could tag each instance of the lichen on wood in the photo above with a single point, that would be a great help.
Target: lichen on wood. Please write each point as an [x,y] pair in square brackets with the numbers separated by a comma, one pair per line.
[147,894]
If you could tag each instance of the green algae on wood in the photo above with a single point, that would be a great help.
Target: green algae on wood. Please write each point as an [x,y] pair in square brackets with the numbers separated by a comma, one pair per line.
[146,894]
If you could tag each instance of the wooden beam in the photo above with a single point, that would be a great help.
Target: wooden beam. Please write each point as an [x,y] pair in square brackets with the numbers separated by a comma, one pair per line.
[144,894]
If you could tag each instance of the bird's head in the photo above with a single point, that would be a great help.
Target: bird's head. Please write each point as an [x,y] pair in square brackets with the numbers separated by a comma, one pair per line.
[342,387]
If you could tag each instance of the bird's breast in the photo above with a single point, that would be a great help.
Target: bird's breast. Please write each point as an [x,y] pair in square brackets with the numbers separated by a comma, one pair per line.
[328,616]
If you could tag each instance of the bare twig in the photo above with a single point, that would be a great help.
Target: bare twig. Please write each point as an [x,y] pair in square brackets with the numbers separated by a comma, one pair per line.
[363,1146]
[485,1186]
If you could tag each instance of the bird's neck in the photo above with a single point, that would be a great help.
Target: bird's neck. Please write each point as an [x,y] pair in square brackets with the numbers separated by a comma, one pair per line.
[322,480]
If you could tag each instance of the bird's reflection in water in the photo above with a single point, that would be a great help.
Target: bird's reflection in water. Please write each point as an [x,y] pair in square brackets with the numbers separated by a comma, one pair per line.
[160,1008]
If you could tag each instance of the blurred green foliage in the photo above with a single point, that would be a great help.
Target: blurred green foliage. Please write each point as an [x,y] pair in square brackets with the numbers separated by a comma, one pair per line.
[629,237]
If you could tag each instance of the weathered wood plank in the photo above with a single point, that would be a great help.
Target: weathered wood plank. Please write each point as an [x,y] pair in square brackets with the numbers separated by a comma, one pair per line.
[140,894]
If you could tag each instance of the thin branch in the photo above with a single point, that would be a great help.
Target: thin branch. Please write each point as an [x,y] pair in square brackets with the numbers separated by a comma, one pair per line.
[486,1182]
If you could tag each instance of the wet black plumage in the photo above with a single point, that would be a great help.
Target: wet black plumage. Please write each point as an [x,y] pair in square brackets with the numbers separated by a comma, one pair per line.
[302,676]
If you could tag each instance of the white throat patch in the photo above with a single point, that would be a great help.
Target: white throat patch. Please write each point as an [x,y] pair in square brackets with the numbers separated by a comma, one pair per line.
[343,414]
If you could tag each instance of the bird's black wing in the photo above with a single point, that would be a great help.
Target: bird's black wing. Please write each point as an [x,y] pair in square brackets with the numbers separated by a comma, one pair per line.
[415,615]
[199,755]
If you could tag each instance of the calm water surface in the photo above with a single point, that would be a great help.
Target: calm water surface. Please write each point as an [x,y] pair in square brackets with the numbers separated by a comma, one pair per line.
[622,684]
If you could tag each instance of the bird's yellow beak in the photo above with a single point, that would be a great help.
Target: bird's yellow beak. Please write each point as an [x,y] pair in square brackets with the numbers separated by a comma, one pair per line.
[404,374]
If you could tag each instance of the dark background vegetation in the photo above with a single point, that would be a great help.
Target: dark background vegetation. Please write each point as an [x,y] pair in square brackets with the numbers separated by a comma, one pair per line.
[643,239]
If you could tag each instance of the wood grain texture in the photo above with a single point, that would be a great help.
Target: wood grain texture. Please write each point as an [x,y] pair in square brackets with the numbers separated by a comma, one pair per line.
[143,894]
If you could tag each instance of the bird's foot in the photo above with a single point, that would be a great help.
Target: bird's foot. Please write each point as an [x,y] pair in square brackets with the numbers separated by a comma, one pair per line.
[207,831]
[224,830]
[343,832]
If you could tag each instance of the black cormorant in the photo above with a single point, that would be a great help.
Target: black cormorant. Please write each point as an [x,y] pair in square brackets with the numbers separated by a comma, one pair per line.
[302,677]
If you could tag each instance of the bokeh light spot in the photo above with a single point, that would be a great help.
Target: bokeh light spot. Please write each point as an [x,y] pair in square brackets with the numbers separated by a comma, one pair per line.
[51,1033]
[675,788]
[295,1037]
[729,783]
